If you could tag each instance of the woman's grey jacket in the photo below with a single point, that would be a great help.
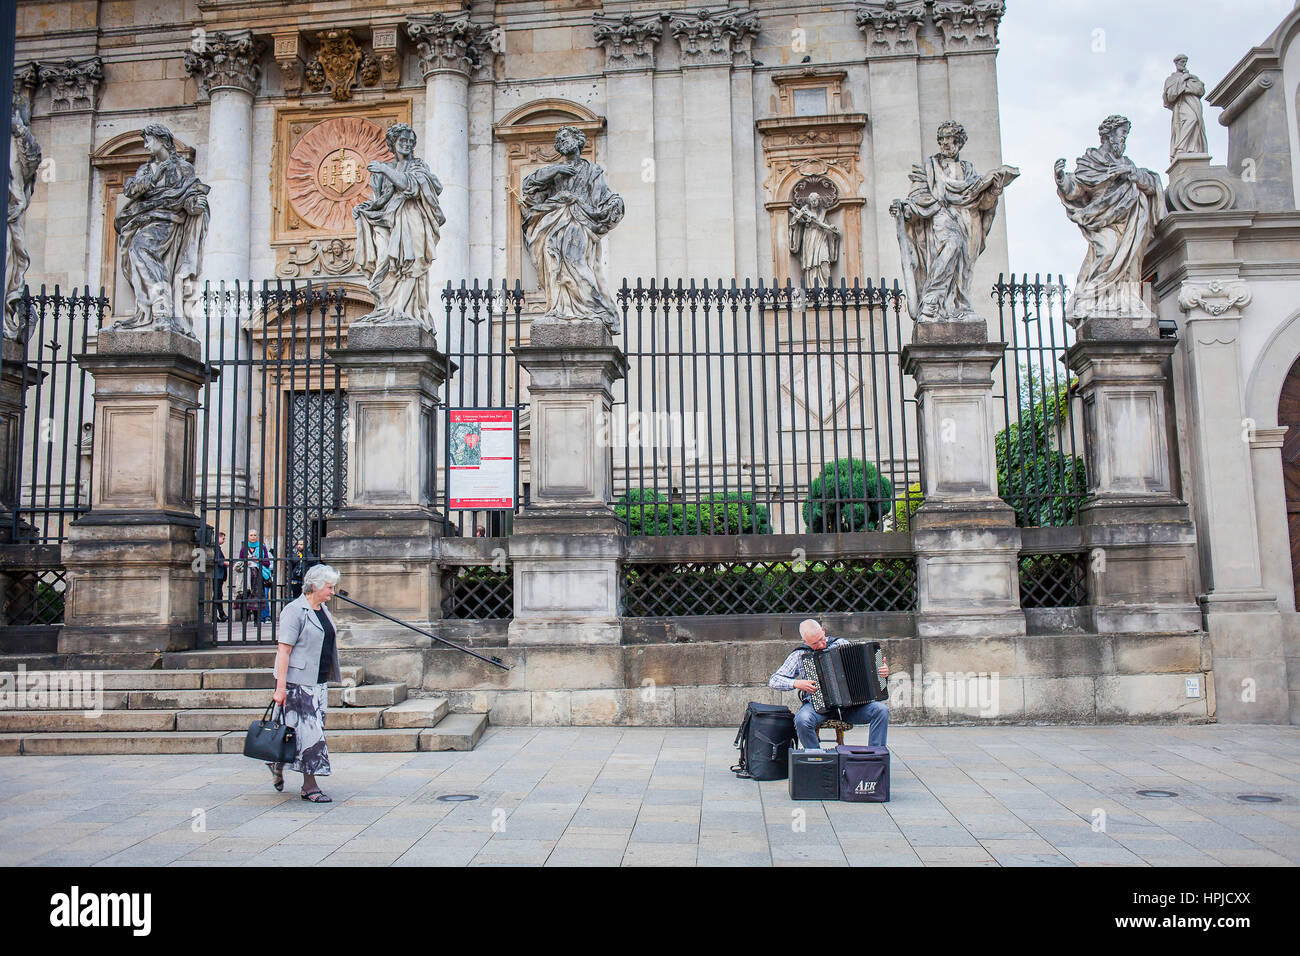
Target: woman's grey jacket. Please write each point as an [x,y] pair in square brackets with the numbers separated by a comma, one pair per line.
[300,628]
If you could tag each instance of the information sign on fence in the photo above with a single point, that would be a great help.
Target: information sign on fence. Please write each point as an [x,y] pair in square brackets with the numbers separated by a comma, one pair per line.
[482,458]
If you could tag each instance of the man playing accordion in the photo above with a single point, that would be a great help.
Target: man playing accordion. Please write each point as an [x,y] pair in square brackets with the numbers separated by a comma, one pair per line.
[790,676]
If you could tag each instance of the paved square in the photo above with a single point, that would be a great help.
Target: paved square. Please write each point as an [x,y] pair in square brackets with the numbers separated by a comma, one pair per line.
[606,796]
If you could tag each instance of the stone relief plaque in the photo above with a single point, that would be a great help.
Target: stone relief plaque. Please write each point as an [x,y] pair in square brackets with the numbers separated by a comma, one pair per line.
[327,170]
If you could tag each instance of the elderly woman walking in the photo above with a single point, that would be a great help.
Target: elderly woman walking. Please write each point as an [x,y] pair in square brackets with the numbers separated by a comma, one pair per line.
[307,659]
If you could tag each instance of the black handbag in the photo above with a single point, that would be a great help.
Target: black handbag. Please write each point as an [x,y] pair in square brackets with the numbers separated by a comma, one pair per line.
[270,738]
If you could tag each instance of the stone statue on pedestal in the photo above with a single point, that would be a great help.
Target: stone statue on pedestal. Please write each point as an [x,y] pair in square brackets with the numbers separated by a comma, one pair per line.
[1183,92]
[24,158]
[813,240]
[397,234]
[942,226]
[567,209]
[160,231]
[1116,206]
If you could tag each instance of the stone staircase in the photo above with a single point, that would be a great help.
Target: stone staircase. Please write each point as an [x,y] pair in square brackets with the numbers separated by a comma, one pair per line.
[203,702]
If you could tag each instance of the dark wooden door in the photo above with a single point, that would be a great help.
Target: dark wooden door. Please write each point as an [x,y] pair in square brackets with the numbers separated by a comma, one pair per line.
[1288,416]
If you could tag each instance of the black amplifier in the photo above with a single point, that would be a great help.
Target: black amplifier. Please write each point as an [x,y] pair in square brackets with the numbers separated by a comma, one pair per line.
[814,775]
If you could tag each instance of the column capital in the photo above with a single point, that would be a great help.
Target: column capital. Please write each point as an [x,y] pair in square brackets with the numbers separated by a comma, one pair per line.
[453,42]
[74,84]
[891,27]
[629,40]
[226,61]
[1213,298]
[969,24]
[713,37]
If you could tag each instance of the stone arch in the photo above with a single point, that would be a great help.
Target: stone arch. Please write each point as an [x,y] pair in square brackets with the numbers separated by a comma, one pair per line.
[1264,385]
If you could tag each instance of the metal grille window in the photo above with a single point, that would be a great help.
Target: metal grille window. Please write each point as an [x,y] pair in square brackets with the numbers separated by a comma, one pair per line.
[478,593]
[317,464]
[1054,580]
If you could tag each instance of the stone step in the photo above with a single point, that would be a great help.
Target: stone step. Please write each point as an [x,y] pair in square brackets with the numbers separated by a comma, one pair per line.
[67,744]
[108,700]
[454,732]
[75,721]
[205,699]
[238,718]
[415,712]
[243,678]
[373,695]
[260,656]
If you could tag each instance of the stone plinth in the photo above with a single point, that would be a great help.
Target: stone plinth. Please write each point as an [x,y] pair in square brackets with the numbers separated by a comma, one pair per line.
[966,540]
[567,545]
[1139,532]
[381,542]
[132,562]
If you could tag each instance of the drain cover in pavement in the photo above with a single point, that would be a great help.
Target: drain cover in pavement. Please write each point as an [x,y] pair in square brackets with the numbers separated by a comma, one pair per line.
[1258,798]
[457,797]
[1156,793]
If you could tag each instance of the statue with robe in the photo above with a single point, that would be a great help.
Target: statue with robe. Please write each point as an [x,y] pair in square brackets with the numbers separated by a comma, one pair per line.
[397,234]
[942,228]
[567,210]
[1183,92]
[1116,206]
[160,230]
[813,240]
[24,159]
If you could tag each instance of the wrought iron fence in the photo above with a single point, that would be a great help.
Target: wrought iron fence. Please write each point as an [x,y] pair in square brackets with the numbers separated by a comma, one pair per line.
[272,448]
[1039,445]
[483,324]
[763,409]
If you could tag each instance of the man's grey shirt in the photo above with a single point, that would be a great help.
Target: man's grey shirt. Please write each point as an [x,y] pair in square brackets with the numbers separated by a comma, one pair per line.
[790,671]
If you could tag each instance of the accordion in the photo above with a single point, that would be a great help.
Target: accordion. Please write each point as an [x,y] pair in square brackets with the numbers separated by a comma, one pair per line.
[846,675]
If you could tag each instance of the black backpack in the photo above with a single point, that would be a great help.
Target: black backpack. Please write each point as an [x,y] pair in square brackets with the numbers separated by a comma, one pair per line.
[764,739]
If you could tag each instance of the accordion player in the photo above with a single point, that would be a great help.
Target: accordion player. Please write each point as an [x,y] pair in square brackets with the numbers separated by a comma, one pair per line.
[850,684]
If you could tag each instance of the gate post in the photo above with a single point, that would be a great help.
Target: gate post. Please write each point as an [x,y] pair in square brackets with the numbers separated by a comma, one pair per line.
[382,541]
[567,546]
[965,536]
[16,376]
[133,561]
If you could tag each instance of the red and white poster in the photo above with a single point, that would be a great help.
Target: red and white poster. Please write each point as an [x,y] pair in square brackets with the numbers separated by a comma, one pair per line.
[481,458]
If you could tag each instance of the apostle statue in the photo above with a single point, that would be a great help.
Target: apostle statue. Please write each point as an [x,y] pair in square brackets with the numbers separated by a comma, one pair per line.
[942,227]
[1116,206]
[1183,92]
[397,234]
[567,209]
[813,240]
[24,159]
[160,231]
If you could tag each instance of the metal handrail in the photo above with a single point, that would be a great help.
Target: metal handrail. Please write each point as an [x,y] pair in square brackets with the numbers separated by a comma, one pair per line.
[495,661]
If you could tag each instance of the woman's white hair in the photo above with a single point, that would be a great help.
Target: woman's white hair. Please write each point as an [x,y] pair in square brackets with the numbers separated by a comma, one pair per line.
[317,575]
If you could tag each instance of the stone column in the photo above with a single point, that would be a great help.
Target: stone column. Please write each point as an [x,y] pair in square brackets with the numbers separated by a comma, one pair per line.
[966,540]
[1138,531]
[567,545]
[227,68]
[1239,612]
[382,541]
[132,562]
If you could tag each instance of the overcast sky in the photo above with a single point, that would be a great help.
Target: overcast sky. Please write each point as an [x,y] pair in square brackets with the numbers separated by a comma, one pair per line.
[1064,65]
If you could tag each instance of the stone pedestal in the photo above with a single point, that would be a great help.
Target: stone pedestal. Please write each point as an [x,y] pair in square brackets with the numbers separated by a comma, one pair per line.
[381,542]
[132,562]
[16,376]
[1139,533]
[966,540]
[567,545]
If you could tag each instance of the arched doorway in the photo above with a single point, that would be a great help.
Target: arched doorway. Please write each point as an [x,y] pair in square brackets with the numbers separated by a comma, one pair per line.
[1288,417]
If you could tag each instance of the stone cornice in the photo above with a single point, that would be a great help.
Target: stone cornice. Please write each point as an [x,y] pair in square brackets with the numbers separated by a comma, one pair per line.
[629,40]
[891,27]
[74,84]
[713,37]
[453,42]
[226,61]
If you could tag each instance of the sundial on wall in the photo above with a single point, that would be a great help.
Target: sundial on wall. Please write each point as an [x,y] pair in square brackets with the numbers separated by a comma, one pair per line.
[327,175]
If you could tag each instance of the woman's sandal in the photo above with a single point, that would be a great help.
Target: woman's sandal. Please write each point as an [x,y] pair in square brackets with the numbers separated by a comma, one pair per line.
[317,796]
[277,776]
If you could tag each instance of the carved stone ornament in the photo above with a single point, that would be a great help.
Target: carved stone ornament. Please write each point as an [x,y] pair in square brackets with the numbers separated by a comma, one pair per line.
[74,84]
[338,56]
[330,257]
[452,42]
[226,61]
[327,170]
[629,40]
[969,24]
[1214,297]
[714,36]
[26,79]
[891,26]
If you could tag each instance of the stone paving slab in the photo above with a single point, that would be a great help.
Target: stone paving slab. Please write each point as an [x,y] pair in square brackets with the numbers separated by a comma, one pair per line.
[605,796]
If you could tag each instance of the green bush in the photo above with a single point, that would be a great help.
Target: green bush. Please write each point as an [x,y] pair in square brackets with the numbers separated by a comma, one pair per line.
[1041,483]
[647,512]
[904,509]
[825,509]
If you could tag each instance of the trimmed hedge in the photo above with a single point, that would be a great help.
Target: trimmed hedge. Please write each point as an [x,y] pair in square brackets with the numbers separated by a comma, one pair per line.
[647,512]
[825,508]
